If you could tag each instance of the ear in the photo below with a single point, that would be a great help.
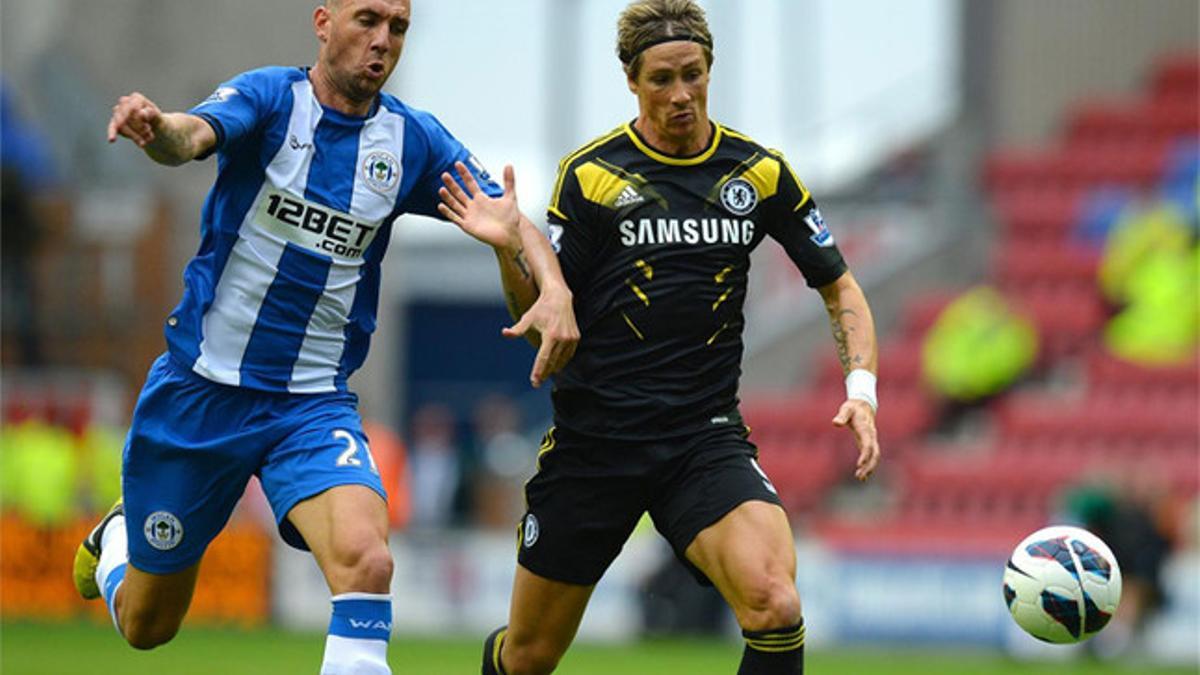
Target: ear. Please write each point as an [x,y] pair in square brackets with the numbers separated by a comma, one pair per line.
[631,83]
[321,17]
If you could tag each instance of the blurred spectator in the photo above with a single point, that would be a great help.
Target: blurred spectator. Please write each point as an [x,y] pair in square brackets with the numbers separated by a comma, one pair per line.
[1162,321]
[1151,268]
[1127,517]
[40,470]
[977,347]
[387,449]
[434,465]
[1181,182]
[1137,237]
[101,447]
[28,185]
[505,460]
[1103,208]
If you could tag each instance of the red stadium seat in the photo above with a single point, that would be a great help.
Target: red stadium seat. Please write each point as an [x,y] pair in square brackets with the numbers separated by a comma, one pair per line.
[1018,262]
[1177,76]
[1174,117]
[1137,420]
[1117,420]
[922,311]
[900,362]
[1131,126]
[1066,316]
[1077,167]
[1101,121]
[1037,215]
[803,472]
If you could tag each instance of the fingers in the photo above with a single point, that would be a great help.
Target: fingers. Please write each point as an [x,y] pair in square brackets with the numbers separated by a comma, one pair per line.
[538,374]
[468,178]
[454,190]
[541,364]
[556,341]
[568,351]
[553,355]
[134,117]
[559,351]
[842,417]
[868,455]
[448,213]
[520,328]
[510,180]
[856,415]
[120,114]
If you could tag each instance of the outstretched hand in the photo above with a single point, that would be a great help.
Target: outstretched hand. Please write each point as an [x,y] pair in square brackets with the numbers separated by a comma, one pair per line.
[550,320]
[859,416]
[492,220]
[135,117]
[552,317]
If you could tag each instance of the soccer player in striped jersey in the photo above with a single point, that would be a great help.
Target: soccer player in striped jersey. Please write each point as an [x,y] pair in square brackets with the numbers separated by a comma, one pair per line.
[654,224]
[313,166]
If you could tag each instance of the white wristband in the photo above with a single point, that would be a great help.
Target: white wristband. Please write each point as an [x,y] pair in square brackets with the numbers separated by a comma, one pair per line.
[860,385]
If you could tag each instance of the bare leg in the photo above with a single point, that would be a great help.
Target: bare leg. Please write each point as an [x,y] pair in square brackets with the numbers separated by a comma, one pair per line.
[750,557]
[542,622]
[151,607]
[346,528]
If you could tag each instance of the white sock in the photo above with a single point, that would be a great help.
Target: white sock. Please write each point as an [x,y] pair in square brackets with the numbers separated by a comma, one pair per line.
[114,559]
[358,633]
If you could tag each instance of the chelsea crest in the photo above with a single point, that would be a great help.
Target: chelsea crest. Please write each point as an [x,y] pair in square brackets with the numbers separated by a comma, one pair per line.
[739,196]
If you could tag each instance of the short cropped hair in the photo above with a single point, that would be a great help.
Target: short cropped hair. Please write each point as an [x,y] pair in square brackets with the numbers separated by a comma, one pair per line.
[645,23]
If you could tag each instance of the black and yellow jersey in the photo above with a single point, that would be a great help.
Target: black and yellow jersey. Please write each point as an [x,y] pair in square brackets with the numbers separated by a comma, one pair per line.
[656,250]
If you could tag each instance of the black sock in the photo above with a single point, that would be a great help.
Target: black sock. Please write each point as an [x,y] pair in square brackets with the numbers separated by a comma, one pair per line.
[491,652]
[774,652]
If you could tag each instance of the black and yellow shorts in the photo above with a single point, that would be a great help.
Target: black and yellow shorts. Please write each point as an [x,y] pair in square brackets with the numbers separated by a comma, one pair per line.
[589,493]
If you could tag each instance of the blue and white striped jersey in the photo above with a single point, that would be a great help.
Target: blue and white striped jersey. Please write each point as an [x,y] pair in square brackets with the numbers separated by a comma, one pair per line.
[283,292]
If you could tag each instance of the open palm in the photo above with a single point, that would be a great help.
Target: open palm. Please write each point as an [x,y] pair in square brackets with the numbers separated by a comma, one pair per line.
[492,220]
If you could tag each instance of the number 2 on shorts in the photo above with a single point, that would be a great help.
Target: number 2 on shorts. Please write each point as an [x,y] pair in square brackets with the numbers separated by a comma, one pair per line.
[348,458]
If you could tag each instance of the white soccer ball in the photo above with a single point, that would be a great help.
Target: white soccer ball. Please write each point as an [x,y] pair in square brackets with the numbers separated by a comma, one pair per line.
[1062,584]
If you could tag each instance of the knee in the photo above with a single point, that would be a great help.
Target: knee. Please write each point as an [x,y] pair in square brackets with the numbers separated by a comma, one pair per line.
[363,564]
[770,602]
[147,631]
[534,658]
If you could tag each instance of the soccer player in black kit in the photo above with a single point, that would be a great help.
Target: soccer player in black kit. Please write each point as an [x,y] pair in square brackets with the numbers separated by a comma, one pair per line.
[654,223]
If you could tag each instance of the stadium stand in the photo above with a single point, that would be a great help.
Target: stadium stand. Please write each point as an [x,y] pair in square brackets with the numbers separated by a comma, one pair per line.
[1053,207]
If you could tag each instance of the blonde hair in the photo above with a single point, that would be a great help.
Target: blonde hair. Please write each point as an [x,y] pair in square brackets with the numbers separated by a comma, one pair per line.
[646,23]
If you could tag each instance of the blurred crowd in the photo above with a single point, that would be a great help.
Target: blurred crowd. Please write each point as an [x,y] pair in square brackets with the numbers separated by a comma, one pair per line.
[58,463]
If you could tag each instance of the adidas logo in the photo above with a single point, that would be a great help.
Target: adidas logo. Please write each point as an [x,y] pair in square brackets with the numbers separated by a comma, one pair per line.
[628,197]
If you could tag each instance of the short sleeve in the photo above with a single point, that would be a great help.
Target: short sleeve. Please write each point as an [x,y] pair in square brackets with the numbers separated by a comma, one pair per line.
[441,151]
[235,109]
[572,228]
[796,223]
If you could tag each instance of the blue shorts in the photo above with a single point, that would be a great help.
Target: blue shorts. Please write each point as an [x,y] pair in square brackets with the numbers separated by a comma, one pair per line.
[194,444]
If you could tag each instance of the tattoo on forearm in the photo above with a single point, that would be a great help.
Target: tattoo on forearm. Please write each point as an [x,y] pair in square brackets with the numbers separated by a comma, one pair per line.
[519,261]
[173,141]
[841,337]
[514,308]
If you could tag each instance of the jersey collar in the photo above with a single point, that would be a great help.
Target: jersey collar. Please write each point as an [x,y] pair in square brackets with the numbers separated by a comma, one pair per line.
[657,156]
[338,115]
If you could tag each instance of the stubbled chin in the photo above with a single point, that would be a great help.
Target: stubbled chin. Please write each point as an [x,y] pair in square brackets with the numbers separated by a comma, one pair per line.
[365,89]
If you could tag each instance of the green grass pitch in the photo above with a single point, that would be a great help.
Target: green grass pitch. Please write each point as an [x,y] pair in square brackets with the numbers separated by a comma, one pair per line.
[88,649]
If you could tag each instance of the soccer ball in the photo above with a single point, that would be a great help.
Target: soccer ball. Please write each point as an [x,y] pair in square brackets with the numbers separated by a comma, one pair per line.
[1062,584]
